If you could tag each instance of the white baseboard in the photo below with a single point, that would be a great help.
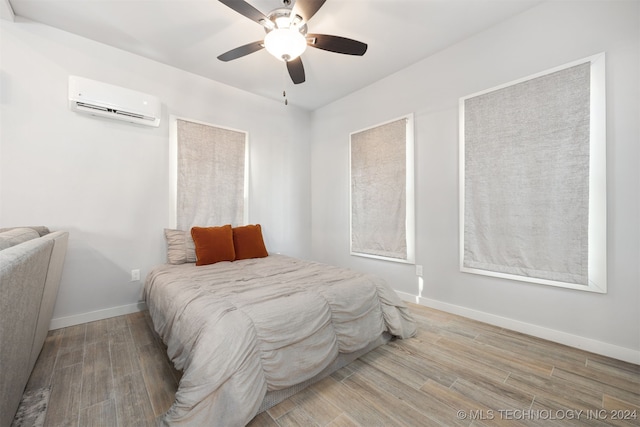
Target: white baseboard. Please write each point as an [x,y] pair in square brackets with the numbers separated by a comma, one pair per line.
[92,316]
[587,344]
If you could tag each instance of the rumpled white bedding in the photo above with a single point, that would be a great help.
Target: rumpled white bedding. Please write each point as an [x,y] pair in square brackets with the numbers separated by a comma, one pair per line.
[238,329]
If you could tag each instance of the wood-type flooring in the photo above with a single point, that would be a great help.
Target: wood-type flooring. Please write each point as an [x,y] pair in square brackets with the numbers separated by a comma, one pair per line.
[455,372]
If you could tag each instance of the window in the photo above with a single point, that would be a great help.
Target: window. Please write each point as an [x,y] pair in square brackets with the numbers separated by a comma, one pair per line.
[382,191]
[209,175]
[532,176]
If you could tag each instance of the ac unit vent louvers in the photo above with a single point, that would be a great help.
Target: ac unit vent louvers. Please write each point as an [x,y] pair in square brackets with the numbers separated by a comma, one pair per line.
[113,111]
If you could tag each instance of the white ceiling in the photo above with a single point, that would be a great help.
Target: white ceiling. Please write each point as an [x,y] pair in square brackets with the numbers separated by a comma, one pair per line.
[190,34]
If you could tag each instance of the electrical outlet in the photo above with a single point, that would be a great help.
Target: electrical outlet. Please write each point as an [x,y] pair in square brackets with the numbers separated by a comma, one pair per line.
[418,270]
[135,275]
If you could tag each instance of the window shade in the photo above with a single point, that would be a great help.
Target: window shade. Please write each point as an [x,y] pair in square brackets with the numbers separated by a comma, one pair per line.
[378,191]
[526,178]
[210,175]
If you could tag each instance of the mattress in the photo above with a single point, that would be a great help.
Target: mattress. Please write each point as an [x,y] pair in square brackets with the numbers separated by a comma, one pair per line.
[245,330]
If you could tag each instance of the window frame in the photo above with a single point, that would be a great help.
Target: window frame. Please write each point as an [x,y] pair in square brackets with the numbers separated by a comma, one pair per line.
[597,227]
[409,192]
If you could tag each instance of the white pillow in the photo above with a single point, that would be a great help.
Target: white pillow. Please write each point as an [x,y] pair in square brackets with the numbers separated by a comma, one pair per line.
[180,246]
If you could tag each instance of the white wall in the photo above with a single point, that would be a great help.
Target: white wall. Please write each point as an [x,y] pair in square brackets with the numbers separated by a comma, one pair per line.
[106,182]
[546,36]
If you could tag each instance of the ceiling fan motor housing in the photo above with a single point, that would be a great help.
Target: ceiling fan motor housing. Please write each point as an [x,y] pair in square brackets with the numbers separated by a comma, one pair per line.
[281,18]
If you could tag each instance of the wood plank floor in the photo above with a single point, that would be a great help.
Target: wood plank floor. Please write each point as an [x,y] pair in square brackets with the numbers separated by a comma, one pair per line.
[455,372]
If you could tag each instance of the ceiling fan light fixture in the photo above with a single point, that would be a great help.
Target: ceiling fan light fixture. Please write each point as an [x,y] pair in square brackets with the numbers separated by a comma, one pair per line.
[285,43]
[286,35]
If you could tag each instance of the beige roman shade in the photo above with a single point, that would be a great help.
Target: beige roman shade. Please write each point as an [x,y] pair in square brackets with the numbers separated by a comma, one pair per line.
[210,175]
[526,178]
[379,191]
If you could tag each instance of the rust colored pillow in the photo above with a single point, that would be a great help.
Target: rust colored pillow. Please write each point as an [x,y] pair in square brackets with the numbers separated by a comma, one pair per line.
[213,244]
[248,242]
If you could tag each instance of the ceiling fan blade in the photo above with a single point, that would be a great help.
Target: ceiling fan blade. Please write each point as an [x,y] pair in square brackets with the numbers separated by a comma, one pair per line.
[241,51]
[296,70]
[306,8]
[245,9]
[337,44]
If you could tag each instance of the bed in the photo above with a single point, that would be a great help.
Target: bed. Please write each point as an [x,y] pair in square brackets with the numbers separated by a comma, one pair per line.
[248,333]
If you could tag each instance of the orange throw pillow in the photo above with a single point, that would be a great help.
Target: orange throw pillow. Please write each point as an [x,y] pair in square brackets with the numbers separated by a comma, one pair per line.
[248,242]
[213,244]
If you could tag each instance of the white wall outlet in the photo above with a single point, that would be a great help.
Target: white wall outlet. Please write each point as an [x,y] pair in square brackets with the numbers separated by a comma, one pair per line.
[419,270]
[135,275]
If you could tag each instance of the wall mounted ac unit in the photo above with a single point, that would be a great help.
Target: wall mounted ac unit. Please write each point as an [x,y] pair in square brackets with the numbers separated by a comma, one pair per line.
[114,102]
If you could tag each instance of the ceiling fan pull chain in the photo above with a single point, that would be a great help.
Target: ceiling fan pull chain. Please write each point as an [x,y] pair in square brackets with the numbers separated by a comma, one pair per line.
[284,85]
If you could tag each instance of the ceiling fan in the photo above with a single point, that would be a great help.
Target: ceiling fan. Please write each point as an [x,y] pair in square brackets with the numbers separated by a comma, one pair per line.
[287,36]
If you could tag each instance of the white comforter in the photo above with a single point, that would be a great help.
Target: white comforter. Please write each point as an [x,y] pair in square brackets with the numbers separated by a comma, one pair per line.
[238,329]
